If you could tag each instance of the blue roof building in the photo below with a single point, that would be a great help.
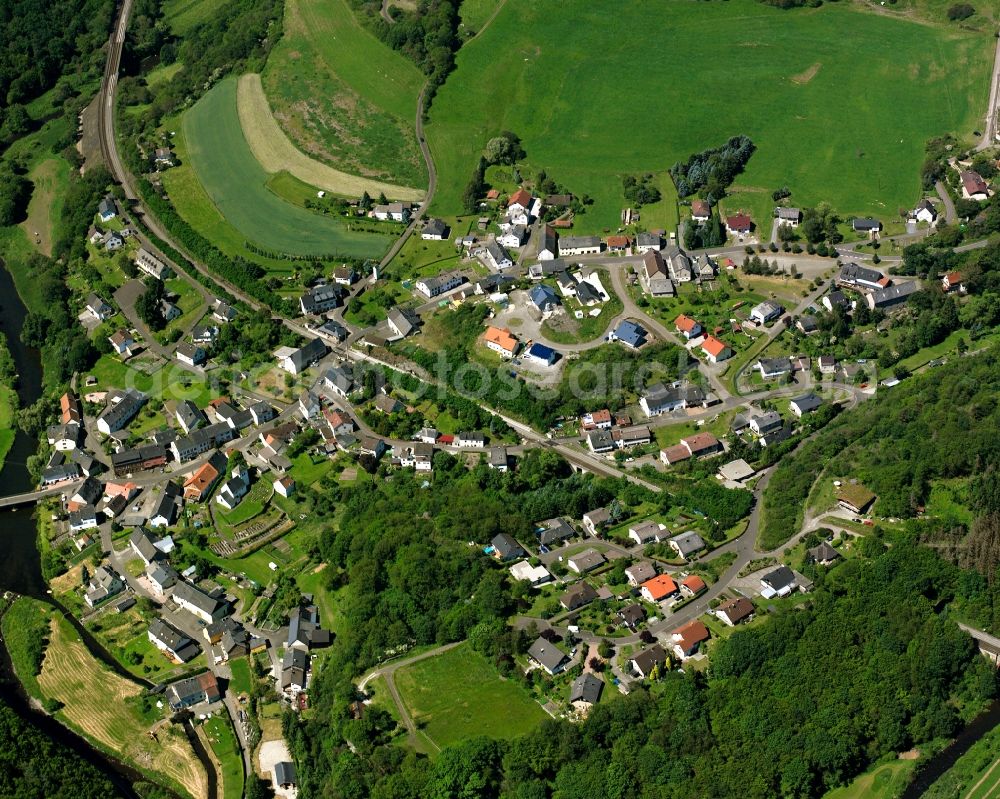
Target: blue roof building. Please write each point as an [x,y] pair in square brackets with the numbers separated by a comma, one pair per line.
[630,334]
[544,298]
[541,353]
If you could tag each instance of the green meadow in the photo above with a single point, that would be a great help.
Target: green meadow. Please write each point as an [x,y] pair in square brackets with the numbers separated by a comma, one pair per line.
[839,101]
[344,97]
[236,185]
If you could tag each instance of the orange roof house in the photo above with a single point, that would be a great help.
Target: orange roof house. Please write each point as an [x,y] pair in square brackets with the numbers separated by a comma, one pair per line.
[501,340]
[660,587]
[716,349]
[688,638]
[520,197]
[692,585]
[701,443]
[197,486]
[685,324]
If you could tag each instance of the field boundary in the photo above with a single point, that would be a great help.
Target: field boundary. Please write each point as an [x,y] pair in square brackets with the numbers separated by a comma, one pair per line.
[276,152]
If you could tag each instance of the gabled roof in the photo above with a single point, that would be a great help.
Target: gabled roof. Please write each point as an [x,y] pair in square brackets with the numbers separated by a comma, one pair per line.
[661,586]
[714,346]
[520,197]
[547,654]
[686,324]
[586,688]
[502,337]
[736,609]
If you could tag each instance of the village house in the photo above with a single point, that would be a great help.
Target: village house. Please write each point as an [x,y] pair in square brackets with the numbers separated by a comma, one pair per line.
[654,274]
[715,350]
[953,282]
[434,230]
[403,321]
[660,398]
[764,423]
[701,211]
[206,607]
[765,312]
[646,532]
[686,544]
[505,548]
[855,498]
[771,368]
[658,588]
[640,572]
[320,299]
[822,554]
[513,236]
[106,209]
[122,343]
[687,327]
[645,662]
[191,354]
[498,459]
[98,308]
[396,212]
[973,186]
[692,585]
[585,561]
[439,284]
[297,361]
[596,520]
[554,531]
[171,641]
[735,611]
[678,265]
[632,616]
[924,212]
[835,299]
[548,248]
[284,487]
[739,225]
[104,584]
[648,242]
[867,225]
[585,692]
[579,245]
[804,404]
[501,341]
[193,691]
[201,482]
[151,265]
[234,489]
[578,595]
[548,656]
[687,639]
[496,256]
[788,216]
[853,275]
[892,296]
[540,354]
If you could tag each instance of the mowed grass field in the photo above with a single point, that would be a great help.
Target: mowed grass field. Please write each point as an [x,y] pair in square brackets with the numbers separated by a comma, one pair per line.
[236,184]
[458,695]
[50,179]
[343,96]
[182,15]
[882,782]
[95,700]
[837,113]
[276,153]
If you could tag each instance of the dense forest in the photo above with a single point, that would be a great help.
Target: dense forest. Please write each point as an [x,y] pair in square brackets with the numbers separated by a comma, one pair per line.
[710,172]
[937,426]
[789,708]
[42,42]
[33,766]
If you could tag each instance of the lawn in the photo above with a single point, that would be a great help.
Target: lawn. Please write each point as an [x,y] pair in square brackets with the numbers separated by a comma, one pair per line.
[276,152]
[782,77]
[102,705]
[236,183]
[344,97]
[50,178]
[886,781]
[242,680]
[475,13]
[251,505]
[182,15]
[457,695]
[306,469]
[222,738]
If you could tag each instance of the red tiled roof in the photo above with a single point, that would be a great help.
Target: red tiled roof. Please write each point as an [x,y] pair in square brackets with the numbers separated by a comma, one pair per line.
[603,415]
[739,222]
[676,453]
[685,323]
[660,586]
[617,241]
[694,583]
[691,634]
[700,208]
[502,338]
[520,197]
[713,346]
[701,441]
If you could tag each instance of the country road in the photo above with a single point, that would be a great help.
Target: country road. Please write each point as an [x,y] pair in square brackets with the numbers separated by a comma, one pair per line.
[993,106]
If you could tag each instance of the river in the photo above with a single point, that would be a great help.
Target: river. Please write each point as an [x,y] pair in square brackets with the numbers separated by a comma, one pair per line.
[20,566]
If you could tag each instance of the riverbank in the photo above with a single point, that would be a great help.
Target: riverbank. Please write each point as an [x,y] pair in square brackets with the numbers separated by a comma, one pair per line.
[112,712]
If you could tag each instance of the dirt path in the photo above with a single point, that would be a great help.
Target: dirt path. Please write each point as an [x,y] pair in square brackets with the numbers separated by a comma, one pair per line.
[972,791]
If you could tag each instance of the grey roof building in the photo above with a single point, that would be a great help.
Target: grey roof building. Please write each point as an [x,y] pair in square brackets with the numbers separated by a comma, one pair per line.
[548,656]
[586,689]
